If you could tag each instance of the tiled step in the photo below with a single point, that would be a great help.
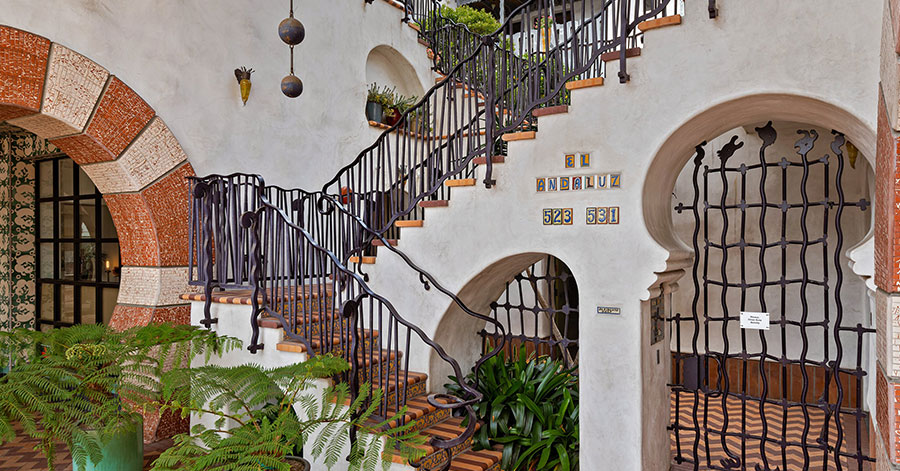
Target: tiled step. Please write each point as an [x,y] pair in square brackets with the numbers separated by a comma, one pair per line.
[660,22]
[482,160]
[434,203]
[366,260]
[409,223]
[519,136]
[558,109]
[412,386]
[290,345]
[613,55]
[586,83]
[460,182]
[243,296]
[449,429]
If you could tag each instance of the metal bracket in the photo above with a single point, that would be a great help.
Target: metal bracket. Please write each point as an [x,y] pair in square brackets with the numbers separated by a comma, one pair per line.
[713,10]
[489,183]
[255,348]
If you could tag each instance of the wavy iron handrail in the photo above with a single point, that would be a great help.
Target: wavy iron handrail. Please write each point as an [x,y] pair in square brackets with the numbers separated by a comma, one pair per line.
[349,308]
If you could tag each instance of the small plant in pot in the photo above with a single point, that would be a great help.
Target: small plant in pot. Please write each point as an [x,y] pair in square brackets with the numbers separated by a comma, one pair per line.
[376,100]
[84,386]
[256,418]
[401,105]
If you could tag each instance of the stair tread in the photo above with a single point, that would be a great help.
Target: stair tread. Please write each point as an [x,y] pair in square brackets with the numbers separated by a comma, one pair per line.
[244,296]
[410,223]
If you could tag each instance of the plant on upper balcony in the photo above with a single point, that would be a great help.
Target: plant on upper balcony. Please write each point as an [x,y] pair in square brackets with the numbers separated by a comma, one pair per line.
[84,386]
[256,418]
[530,407]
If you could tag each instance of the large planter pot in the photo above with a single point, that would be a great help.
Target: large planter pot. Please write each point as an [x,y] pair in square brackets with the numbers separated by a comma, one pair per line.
[374,111]
[297,463]
[392,118]
[123,452]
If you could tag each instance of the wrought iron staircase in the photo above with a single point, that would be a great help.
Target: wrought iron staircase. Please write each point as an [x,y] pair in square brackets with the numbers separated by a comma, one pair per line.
[293,247]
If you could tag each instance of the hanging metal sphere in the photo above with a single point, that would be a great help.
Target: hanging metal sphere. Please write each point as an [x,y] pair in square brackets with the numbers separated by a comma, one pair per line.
[291,31]
[291,86]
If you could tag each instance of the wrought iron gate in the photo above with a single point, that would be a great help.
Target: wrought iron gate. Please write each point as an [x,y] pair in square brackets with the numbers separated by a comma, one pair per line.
[755,399]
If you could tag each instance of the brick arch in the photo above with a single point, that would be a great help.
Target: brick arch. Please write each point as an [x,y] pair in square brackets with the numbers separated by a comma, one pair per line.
[131,156]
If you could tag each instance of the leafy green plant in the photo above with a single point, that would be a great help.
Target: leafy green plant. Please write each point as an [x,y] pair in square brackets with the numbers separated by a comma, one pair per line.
[255,424]
[530,407]
[84,385]
[381,95]
[477,20]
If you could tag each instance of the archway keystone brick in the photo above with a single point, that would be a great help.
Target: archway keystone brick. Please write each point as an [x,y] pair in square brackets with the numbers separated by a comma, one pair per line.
[130,154]
[24,57]
[120,117]
[71,90]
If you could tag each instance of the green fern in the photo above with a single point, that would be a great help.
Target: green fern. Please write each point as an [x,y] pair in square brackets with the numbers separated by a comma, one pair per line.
[82,385]
[260,405]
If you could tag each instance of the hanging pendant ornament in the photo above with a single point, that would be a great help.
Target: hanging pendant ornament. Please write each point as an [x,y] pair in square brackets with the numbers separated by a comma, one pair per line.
[292,32]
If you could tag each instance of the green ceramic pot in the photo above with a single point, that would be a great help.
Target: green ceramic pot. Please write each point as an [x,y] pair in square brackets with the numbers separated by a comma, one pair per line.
[123,452]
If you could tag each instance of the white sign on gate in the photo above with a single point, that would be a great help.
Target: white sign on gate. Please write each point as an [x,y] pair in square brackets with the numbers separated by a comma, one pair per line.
[755,320]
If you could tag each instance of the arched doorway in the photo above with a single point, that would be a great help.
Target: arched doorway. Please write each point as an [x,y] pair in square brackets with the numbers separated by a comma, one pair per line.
[772,332]
[533,296]
[129,154]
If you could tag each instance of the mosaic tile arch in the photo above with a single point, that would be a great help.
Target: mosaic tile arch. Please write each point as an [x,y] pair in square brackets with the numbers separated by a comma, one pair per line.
[132,156]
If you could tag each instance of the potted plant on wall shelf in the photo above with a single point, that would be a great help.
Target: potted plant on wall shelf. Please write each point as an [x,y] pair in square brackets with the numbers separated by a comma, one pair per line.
[375,102]
[399,104]
[261,418]
[83,387]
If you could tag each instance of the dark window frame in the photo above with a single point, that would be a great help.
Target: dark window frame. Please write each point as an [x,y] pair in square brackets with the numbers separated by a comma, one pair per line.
[57,281]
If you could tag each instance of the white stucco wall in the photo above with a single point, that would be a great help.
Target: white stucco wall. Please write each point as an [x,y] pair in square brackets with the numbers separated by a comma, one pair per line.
[767,59]
[692,83]
[180,57]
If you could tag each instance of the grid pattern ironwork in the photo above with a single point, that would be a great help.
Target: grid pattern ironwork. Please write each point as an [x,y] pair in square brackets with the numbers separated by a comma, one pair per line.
[762,426]
[78,258]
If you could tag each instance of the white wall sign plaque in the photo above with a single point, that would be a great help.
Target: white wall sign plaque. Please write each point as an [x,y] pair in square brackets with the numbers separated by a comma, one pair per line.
[755,320]
[611,310]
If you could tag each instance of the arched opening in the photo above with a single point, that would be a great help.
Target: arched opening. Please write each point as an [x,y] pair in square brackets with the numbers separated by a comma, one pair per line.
[132,158]
[393,85]
[532,297]
[387,66]
[771,331]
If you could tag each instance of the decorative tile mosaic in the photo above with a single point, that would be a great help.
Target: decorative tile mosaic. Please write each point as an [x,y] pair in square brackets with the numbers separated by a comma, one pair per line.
[23,63]
[120,116]
[73,86]
[602,215]
[557,216]
[602,181]
[585,160]
[17,245]
[153,286]
[153,153]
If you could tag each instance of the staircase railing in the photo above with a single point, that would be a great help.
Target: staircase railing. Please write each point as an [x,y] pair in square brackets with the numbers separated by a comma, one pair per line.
[330,309]
[293,247]
[492,84]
